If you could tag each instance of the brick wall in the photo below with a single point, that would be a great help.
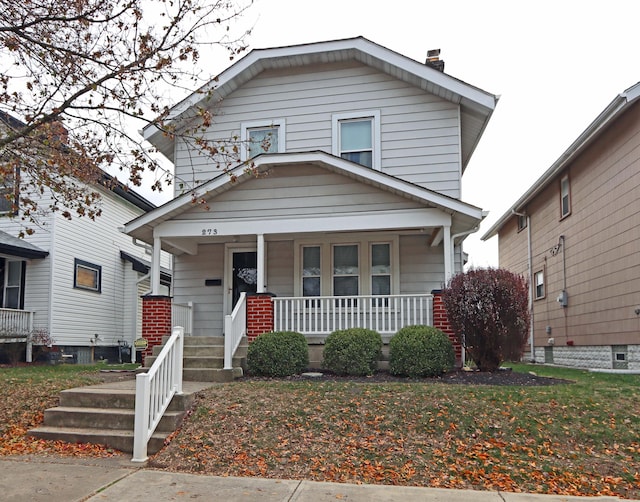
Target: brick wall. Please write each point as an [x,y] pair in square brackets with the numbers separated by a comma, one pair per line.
[441,322]
[259,314]
[156,321]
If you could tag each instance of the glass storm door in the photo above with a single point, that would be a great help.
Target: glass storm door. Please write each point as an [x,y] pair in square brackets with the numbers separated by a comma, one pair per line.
[245,274]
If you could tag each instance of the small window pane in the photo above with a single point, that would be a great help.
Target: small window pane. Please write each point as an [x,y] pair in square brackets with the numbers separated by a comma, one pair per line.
[345,260]
[539,284]
[345,286]
[14,273]
[380,259]
[355,135]
[311,286]
[311,261]
[87,276]
[263,140]
[381,285]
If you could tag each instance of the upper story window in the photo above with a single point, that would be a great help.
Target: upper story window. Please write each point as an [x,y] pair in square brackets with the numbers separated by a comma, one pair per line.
[266,136]
[13,275]
[9,193]
[356,137]
[538,282]
[565,197]
[522,222]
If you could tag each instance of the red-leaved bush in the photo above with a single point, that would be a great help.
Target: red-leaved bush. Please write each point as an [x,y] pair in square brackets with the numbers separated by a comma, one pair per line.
[488,310]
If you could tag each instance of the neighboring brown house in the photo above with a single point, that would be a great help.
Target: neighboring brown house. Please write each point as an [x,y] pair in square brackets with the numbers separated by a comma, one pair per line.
[576,235]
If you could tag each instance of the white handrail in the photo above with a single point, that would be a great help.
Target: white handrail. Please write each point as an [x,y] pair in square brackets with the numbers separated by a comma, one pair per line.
[235,327]
[154,391]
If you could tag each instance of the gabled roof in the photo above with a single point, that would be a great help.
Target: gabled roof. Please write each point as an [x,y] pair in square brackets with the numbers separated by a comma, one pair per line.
[476,105]
[617,107]
[142,226]
[12,246]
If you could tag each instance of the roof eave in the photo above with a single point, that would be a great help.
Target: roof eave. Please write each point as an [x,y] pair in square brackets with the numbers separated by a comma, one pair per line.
[619,105]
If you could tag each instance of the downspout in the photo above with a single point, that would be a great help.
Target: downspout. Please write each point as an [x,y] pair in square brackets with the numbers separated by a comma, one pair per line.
[530,265]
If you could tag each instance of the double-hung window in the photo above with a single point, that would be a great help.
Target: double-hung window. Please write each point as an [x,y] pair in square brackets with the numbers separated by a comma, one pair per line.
[13,284]
[538,281]
[262,137]
[356,137]
[565,197]
[311,271]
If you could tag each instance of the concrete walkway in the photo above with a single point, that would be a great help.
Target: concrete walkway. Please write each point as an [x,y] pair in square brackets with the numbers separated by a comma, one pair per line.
[117,479]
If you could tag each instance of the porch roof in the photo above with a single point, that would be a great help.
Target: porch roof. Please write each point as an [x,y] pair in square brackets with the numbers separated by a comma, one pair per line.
[463,216]
[12,246]
[476,105]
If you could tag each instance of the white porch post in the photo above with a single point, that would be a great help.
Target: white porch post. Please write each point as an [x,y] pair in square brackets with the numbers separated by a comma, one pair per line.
[260,287]
[448,253]
[155,267]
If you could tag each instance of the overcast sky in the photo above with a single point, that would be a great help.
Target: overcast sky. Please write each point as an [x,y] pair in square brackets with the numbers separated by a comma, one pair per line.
[555,65]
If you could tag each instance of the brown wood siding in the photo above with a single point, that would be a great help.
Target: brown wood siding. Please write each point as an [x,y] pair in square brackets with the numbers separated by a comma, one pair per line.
[601,252]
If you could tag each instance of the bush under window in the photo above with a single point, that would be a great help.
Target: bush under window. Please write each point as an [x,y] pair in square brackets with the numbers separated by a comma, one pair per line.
[278,354]
[354,351]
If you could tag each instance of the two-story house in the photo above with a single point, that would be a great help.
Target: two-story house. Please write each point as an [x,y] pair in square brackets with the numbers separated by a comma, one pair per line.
[351,214]
[78,281]
[575,233]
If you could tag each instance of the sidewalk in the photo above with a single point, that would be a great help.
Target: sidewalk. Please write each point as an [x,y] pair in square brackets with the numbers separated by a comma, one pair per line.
[116,479]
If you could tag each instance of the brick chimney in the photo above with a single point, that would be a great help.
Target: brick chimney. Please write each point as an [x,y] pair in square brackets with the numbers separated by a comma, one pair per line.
[433,60]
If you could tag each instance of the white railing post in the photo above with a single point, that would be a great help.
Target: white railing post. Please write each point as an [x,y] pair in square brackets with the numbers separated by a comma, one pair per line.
[141,424]
[29,355]
[235,327]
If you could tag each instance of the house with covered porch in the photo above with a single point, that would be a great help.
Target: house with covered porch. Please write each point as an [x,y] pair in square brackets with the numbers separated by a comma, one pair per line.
[344,209]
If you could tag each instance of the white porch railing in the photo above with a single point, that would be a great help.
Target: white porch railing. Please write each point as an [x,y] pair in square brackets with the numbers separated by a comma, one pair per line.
[154,391]
[235,327]
[321,315]
[182,315]
[17,325]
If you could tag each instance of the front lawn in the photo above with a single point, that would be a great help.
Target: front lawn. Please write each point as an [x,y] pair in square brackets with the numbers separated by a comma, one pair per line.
[578,438]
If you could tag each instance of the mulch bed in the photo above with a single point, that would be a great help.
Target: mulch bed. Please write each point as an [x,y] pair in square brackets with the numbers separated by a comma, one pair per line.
[501,377]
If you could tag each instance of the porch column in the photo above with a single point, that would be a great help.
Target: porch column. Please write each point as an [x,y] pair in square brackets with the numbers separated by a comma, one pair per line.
[155,267]
[448,254]
[260,287]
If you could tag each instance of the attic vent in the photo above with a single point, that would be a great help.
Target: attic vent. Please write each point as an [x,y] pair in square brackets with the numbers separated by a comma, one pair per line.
[433,60]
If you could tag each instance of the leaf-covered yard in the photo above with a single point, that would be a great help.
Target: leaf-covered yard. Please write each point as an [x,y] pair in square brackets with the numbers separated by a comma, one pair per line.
[578,438]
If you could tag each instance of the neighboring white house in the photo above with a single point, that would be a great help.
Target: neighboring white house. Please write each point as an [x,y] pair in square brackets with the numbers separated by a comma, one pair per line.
[356,205]
[79,280]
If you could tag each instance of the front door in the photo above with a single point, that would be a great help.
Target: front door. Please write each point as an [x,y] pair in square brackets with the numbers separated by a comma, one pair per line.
[244,274]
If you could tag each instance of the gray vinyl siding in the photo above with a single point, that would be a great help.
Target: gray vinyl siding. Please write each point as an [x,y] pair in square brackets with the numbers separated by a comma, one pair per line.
[280,267]
[189,285]
[298,191]
[419,132]
[421,266]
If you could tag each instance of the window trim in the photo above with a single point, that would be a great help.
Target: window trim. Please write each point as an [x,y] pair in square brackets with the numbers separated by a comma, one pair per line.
[77,263]
[568,196]
[245,127]
[374,115]
[539,273]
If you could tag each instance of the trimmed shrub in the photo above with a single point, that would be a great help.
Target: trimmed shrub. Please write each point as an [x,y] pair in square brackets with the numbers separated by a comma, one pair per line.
[278,354]
[488,310]
[420,351]
[354,351]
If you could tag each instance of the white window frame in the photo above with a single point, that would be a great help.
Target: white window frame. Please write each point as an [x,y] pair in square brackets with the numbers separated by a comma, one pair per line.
[358,275]
[245,128]
[7,265]
[376,143]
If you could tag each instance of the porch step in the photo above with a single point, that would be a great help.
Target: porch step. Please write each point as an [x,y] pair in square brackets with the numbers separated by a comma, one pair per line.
[117,439]
[203,359]
[104,414]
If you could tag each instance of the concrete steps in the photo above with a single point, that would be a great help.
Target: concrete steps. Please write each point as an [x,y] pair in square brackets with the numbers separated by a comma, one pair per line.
[204,359]
[104,414]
